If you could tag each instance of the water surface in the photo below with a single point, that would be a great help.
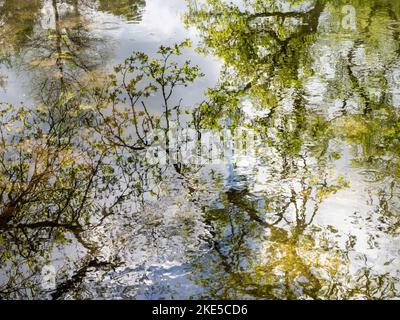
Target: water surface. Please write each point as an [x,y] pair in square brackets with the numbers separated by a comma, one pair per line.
[291,192]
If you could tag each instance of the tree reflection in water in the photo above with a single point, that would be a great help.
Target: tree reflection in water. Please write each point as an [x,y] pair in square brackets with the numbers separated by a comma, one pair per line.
[309,211]
[319,94]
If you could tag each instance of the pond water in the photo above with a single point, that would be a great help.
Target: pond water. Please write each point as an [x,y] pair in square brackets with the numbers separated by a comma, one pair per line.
[270,171]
